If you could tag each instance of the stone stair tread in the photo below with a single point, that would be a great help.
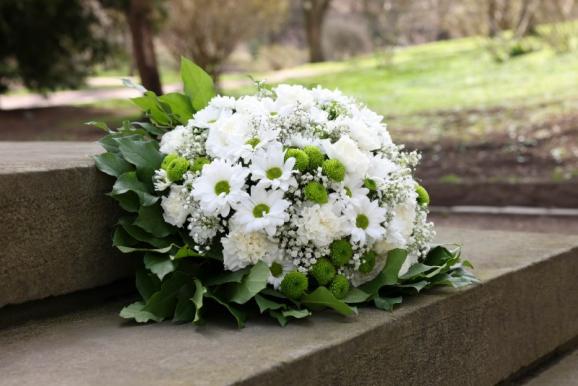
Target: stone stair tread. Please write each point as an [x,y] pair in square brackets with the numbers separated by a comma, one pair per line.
[526,306]
[563,373]
[22,157]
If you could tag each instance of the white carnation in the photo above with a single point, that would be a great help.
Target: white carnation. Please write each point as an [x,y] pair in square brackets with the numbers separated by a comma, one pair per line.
[227,136]
[241,249]
[321,224]
[174,211]
[174,139]
[365,136]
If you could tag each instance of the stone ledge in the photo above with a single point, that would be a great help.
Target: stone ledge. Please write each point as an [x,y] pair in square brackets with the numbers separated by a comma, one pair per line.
[526,306]
[56,221]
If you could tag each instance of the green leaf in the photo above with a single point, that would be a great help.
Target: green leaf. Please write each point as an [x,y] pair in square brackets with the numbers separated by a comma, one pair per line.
[143,154]
[159,265]
[185,251]
[162,303]
[251,284]
[149,103]
[416,271]
[112,164]
[124,249]
[180,106]
[227,277]
[128,182]
[395,259]
[101,125]
[355,295]
[147,284]
[417,286]
[386,304]
[150,128]
[128,201]
[197,299]
[322,297]
[121,238]
[282,316]
[136,311]
[239,315]
[185,308]
[197,83]
[141,235]
[265,304]
[150,218]
[438,256]
[373,286]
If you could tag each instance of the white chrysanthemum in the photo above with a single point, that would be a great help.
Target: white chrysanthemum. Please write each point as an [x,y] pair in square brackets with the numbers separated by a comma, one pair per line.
[263,210]
[402,224]
[347,151]
[174,211]
[268,166]
[219,186]
[257,141]
[365,218]
[365,136]
[227,136]
[241,249]
[320,224]
[174,139]
[161,180]
[278,271]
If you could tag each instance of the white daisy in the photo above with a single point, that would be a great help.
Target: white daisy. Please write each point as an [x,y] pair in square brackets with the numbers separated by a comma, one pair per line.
[278,270]
[208,116]
[268,166]
[219,186]
[263,210]
[380,168]
[241,249]
[364,220]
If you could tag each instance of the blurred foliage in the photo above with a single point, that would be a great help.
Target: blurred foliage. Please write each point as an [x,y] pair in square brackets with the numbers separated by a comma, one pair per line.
[48,45]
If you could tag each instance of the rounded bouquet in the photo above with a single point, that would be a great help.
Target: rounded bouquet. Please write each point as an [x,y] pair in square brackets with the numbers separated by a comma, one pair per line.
[283,202]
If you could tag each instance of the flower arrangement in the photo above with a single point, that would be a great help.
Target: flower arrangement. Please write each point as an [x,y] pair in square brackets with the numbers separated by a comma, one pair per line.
[280,203]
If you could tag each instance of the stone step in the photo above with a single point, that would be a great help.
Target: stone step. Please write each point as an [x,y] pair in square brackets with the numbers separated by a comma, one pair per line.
[56,221]
[564,372]
[525,308]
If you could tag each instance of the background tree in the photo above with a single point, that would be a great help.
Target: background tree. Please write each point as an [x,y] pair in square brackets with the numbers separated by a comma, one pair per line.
[48,45]
[314,12]
[209,31]
[141,17]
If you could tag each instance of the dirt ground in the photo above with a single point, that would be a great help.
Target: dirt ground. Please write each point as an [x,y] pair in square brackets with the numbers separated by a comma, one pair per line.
[542,150]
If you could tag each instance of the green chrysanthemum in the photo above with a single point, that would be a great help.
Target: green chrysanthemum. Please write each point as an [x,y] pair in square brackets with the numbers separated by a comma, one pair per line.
[198,164]
[294,284]
[301,158]
[422,196]
[370,184]
[340,252]
[167,160]
[367,262]
[315,155]
[323,271]
[334,169]
[177,168]
[339,286]
[316,192]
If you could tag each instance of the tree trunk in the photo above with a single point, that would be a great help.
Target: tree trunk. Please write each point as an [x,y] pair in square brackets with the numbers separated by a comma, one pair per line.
[139,20]
[314,13]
